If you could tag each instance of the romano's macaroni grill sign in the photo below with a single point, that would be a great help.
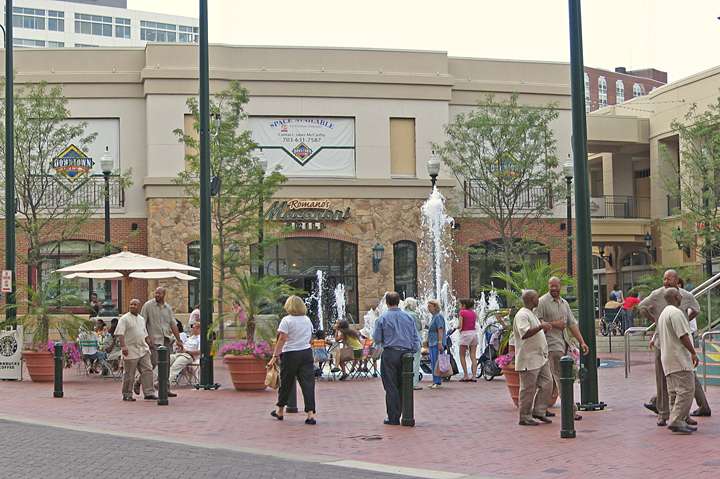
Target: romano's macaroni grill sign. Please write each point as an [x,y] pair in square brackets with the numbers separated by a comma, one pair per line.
[310,146]
[305,214]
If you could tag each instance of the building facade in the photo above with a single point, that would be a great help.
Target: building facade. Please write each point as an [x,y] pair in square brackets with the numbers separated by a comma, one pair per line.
[358,177]
[603,87]
[89,24]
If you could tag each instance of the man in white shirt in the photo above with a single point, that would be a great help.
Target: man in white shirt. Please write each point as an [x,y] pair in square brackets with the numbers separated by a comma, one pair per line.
[187,354]
[135,343]
[678,361]
[531,362]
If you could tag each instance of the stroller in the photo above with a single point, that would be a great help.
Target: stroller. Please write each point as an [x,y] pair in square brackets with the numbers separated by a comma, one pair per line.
[611,322]
[488,368]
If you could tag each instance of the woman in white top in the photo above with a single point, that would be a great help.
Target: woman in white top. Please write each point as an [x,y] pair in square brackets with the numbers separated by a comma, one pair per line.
[296,358]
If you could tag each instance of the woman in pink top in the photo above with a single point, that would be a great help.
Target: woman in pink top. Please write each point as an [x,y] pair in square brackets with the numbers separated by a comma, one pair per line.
[468,338]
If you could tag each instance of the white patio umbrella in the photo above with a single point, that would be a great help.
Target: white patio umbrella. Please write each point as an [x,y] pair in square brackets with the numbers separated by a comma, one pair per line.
[127,265]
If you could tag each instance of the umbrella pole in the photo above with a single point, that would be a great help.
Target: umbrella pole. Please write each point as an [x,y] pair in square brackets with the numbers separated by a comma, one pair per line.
[128,297]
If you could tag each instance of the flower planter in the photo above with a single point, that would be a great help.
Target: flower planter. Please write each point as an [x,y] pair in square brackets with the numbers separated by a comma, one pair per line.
[247,372]
[512,379]
[40,365]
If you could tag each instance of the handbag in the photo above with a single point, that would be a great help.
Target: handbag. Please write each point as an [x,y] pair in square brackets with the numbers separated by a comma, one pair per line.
[347,354]
[272,378]
[443,368]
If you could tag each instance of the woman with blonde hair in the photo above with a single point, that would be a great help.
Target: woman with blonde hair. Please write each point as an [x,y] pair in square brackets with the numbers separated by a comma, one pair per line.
[437,339]
[296,358]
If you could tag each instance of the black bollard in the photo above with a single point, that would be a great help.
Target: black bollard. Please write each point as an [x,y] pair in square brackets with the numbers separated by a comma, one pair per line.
[292,400]
[58,356]
[408,416]
[163,371]
[567,379]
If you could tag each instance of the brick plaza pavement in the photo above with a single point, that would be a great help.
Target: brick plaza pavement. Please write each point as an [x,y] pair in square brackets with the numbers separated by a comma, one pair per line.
[464,429]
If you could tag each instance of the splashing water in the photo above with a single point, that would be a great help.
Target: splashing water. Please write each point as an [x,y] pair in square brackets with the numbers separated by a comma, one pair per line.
[317,297]
[340,301]
[435,238]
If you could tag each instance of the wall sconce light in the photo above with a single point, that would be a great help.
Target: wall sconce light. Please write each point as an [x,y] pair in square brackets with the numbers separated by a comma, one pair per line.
[378,252]
[607,258]
[678,240]
[648,246]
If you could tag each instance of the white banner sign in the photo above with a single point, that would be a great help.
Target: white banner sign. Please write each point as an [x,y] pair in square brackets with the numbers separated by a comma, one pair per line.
[307,146]
[11,344]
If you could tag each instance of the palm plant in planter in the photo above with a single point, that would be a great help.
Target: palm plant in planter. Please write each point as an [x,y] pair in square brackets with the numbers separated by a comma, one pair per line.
[257,297]
[42,311]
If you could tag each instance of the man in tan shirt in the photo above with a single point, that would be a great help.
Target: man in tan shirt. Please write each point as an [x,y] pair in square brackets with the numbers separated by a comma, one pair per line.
[161,326]
[531,362]
[678,361]
[135,344]
[553,309]
[651,307]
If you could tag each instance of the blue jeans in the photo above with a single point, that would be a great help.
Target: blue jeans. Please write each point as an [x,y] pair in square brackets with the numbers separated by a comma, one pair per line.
[433,359]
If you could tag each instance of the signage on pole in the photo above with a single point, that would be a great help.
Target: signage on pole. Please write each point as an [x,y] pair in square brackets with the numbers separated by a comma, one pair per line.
[6,280]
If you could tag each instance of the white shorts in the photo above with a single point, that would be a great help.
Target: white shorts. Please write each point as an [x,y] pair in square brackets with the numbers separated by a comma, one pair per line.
[468,338]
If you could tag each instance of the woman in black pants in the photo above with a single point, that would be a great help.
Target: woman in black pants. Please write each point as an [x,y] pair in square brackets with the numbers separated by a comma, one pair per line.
[296,358]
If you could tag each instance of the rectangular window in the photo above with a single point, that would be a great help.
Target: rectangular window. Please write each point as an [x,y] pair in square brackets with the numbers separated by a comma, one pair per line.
[187,34]
[587,93]
[56,22]
[22,42]
[122,27]
[93,25]
[84,45]
[402,146]
[159,32]
[31,18]
[56,44]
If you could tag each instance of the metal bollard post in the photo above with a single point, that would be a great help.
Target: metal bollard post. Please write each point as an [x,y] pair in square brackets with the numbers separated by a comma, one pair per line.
[408,416]
[567,379]
[58,356]
[292,400]
[163,371]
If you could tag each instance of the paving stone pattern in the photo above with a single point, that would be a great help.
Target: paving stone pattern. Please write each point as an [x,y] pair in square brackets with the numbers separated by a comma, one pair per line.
[31,451]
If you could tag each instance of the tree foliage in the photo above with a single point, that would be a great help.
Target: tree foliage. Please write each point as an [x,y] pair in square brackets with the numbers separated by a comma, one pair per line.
[48,212]
[505,155]
[235,209]
[694,180]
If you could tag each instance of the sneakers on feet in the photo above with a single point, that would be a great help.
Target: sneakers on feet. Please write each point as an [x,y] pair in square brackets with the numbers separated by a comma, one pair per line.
[436,386]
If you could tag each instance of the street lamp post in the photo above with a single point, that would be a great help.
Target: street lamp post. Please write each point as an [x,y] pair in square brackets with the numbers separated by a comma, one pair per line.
[262,163]
[106,164]
[9,158]
[569,170]
[433,167]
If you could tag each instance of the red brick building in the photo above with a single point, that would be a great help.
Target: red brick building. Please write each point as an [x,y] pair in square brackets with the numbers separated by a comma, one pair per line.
[603,87]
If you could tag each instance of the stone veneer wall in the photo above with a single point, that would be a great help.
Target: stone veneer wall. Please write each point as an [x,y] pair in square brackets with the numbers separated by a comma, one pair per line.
[173,223]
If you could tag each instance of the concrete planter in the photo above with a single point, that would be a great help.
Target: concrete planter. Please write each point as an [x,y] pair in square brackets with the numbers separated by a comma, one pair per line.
[247,372]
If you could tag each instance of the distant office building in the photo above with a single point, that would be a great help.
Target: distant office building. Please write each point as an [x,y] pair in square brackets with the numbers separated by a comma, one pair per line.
[95,23]
[603,87]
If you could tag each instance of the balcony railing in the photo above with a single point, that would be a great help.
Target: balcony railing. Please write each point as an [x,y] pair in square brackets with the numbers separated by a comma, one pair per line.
[673,203]
[91,192]
[477,196]
[614,206]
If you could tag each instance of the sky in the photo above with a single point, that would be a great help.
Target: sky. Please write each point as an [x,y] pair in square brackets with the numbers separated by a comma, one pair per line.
[679,37]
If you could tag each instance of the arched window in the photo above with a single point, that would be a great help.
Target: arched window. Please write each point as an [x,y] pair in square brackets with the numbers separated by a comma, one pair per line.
[66,253]
[587,93]
[193,251]
[634,265]
[602,92]
[487,259]
[619,92]
[405,259]
[638,89]
[298,261]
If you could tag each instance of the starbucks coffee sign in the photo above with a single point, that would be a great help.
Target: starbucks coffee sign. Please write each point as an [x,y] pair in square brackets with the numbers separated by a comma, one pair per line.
[305,214]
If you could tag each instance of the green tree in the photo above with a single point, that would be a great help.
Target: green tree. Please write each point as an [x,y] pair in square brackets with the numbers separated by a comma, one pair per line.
[505,155]
[49,211]
[235,209]
[694,180]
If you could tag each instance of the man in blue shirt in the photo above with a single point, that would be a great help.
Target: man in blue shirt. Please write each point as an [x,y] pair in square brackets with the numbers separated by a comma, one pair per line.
[396,331]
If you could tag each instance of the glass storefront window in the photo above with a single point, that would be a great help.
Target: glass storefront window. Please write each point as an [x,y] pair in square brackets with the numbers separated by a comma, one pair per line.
[298,260]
